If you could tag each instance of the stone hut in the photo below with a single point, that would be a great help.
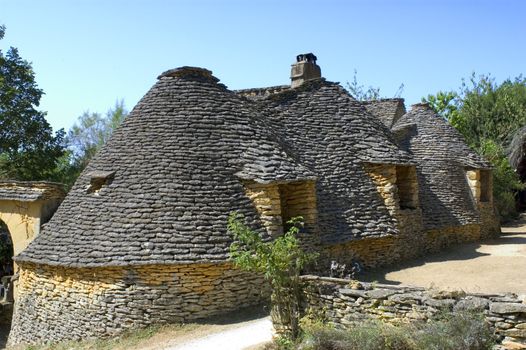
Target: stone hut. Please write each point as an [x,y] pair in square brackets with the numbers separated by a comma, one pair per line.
[455,183]
[141,238]
[24,207]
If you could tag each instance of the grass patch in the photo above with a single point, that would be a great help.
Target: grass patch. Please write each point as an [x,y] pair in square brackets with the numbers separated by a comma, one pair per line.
[127,340]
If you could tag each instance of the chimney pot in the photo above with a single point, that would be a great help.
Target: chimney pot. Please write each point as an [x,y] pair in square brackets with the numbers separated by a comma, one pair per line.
[304,69]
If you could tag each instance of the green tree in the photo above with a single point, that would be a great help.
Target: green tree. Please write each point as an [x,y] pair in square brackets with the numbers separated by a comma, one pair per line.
[280,261]
[92,131]
[85,138]
[487,114]
[28,148]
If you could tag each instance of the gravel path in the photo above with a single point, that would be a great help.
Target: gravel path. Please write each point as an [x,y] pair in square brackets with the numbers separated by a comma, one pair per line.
[240,336]
[496,266]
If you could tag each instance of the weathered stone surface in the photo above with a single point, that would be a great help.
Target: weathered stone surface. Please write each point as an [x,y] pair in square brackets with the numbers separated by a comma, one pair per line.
[507,308]
[395,304]
[192,152]
[102,302]
[472,303]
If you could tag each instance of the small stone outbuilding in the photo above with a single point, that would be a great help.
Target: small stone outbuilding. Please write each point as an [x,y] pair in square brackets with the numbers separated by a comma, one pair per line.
[141,238]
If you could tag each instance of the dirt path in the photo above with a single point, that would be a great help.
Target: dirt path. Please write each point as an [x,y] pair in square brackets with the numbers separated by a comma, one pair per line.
[495,266]
[238,335]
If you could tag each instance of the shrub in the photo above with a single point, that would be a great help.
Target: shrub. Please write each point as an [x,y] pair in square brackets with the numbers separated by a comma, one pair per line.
[458,331]
[280,261]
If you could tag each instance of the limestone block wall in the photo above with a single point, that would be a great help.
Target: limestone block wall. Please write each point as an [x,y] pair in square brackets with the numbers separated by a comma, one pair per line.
[277,203]
[409,242]
[22,220]
[343,302]
[58,303]
[490,227]
[438,239]
[267,201]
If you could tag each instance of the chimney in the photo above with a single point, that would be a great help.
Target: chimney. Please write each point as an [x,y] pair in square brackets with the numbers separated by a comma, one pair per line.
[304,69]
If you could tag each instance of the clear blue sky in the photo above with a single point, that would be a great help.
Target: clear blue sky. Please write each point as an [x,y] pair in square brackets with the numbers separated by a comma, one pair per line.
[87,54]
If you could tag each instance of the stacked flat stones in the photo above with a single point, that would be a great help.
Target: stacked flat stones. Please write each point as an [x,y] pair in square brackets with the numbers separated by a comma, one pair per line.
[443,158]
[344,304]
[30,191]
[332,134]
[178,160]
[388,110]
[175,160]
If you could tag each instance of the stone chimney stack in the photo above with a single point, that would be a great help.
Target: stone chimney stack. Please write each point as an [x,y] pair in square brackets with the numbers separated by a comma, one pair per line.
[304,69]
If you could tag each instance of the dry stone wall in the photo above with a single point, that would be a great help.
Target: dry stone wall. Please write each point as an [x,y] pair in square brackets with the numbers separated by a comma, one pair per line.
[343,302]
[438,239]
[408,243]
[58,303]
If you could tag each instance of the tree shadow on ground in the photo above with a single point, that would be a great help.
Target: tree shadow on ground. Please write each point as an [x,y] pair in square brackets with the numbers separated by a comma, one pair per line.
[241,315]
[466,251]
[509,238]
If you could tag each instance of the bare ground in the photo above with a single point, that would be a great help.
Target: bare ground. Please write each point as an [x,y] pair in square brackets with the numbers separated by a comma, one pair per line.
[495,266]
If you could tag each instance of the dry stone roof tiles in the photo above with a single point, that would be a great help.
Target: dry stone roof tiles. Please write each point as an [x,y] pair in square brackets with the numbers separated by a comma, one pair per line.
[28,191]
[161,189]
[443,158]
[176,161]
[388,110]
[328,131]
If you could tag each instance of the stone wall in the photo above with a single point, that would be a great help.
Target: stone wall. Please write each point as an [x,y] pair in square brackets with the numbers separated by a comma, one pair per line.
[343,302]
[57,303]
[441,238]
[490,227]
[277,203]
[409,242]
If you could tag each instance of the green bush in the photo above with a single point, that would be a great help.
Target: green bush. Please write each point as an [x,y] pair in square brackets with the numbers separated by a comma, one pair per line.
[369,335]
[458,331]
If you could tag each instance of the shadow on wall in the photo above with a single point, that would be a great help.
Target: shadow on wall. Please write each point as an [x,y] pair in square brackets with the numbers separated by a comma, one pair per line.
[444,201]
[4,333]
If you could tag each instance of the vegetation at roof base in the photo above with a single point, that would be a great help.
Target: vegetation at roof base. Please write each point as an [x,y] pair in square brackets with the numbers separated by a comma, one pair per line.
[280,260]
[464,330]
[488,114]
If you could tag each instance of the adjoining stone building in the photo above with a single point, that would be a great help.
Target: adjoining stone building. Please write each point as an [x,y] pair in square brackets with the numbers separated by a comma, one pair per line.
[141,238]
[455,183]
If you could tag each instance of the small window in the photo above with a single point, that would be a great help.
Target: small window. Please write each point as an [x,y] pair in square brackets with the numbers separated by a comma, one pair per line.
[485,185]
[99,179]
[407,187]
[298,199]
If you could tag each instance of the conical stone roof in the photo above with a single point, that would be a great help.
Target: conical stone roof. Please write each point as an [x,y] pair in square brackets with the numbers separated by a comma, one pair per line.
[443,157]
[161,189]
[328,131]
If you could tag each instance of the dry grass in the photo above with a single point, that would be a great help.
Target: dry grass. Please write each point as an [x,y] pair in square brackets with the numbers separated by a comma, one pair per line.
[136,339]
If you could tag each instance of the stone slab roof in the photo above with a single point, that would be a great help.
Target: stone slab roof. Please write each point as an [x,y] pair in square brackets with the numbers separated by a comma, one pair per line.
[30,191]
[161,189]
[388,110]
[175,166]
[261,93]
[328,131]
[443,157]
